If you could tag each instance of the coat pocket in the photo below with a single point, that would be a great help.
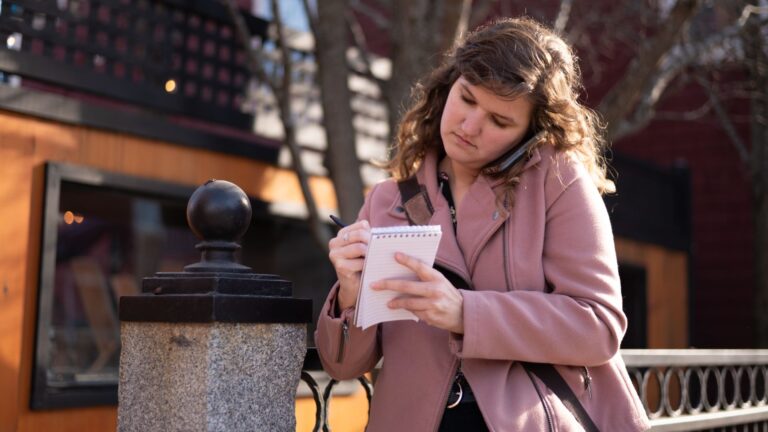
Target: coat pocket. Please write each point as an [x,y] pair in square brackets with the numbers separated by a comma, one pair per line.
[578,379]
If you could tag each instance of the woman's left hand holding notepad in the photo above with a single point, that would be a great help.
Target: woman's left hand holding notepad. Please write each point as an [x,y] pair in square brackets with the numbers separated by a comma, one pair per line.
[347,253]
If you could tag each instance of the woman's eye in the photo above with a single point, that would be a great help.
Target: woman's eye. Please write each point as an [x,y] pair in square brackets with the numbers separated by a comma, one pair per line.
[467,100]
[499,123]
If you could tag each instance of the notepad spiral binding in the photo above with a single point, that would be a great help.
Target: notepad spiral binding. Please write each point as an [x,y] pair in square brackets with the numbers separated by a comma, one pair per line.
[406,235]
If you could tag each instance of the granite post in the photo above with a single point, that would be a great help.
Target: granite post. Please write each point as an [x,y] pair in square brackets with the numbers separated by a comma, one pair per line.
[216,347]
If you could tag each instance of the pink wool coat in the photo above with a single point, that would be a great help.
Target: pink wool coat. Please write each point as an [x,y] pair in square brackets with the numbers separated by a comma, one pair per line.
[545,289]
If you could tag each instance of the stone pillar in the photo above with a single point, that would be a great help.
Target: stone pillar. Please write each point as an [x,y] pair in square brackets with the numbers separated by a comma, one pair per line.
[215,347]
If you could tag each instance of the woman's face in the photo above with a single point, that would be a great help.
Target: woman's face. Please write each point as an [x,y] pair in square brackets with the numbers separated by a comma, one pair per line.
[478,126]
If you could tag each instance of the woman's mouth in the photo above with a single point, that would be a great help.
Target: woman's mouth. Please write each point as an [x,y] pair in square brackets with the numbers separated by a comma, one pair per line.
[464,141]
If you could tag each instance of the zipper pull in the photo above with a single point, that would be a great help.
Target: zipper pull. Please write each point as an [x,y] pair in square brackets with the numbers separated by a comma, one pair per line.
[343,341]
[587,382]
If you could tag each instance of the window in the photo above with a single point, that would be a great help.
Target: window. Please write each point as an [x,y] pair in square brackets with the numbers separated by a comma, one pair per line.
[102,233]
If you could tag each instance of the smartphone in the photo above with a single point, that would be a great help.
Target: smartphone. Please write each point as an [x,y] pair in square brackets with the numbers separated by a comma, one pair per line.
[514,154]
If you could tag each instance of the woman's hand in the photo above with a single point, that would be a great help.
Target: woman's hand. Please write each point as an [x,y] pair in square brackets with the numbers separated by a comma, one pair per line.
[432,298]
[347,254]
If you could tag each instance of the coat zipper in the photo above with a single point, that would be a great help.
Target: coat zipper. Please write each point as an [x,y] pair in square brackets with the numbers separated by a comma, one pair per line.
[505,254]
[454,368]
[457,362]
[587,381]
[547,413]
[342,341]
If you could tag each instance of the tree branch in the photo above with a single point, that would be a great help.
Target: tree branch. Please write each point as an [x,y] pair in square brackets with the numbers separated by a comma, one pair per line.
[378,18]
[463,23]
[282,92]
[674,61]
[725,121]
[311,19]
[562,15]
[623,96]
[480,11]
[255,60]
[358,38]
[320,231]
[749,10]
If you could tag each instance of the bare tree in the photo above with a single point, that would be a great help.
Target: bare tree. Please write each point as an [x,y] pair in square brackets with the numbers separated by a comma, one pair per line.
[280,85]
[624,95]
[671,55]
[419,30]
[754,36]
[329,26]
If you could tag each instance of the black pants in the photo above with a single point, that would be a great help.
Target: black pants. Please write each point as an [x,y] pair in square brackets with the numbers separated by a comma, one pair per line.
[465,417]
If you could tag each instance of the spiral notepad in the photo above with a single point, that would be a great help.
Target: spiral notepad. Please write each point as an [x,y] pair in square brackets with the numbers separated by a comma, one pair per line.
[419,241]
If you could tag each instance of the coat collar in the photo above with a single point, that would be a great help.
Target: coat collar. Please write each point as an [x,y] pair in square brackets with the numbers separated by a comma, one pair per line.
[479,216]
[449,253]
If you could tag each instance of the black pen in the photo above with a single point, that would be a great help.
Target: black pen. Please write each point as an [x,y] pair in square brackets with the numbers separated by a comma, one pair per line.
[338,221]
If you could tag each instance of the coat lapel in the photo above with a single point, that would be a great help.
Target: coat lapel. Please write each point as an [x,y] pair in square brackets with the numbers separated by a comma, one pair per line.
[479,216]
[482,213]
[449,254]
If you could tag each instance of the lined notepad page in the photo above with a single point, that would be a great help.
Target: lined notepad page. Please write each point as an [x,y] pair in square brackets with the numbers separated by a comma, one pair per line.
[419,241]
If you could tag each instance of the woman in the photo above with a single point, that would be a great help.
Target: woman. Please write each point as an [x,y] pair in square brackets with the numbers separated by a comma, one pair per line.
[525,275]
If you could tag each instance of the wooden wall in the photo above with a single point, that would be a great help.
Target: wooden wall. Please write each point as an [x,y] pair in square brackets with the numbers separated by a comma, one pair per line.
[667,291]
[25,144]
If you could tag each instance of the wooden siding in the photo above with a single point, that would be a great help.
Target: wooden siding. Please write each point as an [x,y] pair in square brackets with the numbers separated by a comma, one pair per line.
[666,291]
[25,145]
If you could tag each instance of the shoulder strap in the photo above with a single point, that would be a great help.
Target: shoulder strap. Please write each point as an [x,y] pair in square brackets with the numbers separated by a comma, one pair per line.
[416,202]
[549,376]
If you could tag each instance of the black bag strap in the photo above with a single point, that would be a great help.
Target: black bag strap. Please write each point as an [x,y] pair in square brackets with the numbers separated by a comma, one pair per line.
[419,210]
[415,201]
[552,379]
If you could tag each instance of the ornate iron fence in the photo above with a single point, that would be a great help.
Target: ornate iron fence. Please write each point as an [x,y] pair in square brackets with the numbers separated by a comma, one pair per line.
[702,390]
[681,390]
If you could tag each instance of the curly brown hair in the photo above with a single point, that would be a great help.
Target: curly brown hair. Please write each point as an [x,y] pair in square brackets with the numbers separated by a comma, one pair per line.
[512,58]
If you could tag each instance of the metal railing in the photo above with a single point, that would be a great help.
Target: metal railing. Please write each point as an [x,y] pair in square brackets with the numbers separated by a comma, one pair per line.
[702,390]
[681,389]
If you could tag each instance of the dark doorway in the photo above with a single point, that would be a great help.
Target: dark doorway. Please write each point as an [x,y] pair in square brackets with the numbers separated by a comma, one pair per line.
[633,290]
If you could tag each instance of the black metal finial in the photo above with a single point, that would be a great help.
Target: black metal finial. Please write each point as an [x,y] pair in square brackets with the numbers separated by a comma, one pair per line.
[218,288]
[219,213]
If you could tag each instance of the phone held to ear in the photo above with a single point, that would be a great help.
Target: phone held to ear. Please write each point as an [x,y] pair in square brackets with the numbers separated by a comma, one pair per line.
[512,156]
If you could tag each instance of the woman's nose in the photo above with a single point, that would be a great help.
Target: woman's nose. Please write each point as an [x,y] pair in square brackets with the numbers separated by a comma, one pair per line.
[472,124]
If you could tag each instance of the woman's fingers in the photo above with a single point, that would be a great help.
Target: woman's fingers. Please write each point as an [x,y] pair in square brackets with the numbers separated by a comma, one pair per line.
[348,252]
[348,248]
[358,232]
[406,287]
[348,267]
[413,304]
[423,271]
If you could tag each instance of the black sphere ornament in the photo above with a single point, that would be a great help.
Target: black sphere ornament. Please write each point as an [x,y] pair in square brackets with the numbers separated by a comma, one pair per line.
[219,210]
[219,213]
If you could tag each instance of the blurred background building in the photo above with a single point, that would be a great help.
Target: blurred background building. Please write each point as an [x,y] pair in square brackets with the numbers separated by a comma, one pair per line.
[112,111]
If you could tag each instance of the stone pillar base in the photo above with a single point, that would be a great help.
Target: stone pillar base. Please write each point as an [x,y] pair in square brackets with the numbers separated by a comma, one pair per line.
[209,377]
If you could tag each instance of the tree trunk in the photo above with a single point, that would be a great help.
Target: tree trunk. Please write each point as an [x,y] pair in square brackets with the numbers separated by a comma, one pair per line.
[757,65]
[282,92]
[331,50]
[420,31]
[760,214]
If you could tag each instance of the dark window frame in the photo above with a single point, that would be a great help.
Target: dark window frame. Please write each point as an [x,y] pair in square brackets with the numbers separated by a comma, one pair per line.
[42,395]
[45,396]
